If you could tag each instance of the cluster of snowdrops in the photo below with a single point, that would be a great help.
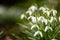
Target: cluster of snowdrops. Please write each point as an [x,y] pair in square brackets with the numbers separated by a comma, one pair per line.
[41,19]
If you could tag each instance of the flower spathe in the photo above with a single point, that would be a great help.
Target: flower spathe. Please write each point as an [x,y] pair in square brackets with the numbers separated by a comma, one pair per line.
[35,26]
[38,32]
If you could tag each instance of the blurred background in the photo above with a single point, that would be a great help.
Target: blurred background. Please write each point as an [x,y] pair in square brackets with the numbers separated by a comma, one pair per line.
[26,3]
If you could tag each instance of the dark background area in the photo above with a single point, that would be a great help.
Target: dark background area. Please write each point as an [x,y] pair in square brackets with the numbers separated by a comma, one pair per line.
[11,2]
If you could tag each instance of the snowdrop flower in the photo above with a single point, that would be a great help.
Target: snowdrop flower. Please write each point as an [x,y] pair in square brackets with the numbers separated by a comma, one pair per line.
[47,12]
[54,12]
[32,18]
[59,18]
[54,39]
[47,28]
[32,8]
[23,16]
[29,12]
[42,8]
[38,32]
[41,18]
[52,18]
[35,25]
[45,21]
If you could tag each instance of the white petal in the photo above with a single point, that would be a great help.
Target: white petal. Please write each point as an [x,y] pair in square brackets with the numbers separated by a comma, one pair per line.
[29,17]
[29,12]
[41,18]
[42,8]
[33,8]
[59,19]
[38,32]
[23,16]
[35,34]
[47,12]
[53,39]
[47,28]
[34,26]
[45,21]
[52,18]
[33,19]
[41,34]
[54,12]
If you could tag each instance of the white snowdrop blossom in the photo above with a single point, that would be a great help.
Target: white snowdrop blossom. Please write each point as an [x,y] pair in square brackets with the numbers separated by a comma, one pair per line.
[52,18]
[41,18]
[38,32]
[35,26]
[53,39]
[42,9]
[23,16]
[54,12]
[32,18]
[32,8]
[47,28]
[47,12]
[45,21]
[59,18]
[29,12]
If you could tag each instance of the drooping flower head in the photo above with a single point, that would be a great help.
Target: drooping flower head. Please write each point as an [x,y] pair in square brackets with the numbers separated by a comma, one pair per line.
[32,8]
[38,32]
[47,28]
